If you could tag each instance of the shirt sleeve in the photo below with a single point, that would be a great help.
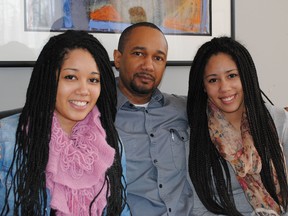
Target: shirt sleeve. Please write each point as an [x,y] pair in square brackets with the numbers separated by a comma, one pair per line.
[284,137]
[198,208]
[280,117]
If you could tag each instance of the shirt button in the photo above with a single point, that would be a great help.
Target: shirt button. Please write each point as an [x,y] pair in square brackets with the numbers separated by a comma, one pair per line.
[151,135]
[160,185]
[169,210]
[155,161]
[146,111]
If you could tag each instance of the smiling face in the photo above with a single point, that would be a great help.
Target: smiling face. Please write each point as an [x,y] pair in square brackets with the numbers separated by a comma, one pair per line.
[142,63]
[223,85]
[78,88]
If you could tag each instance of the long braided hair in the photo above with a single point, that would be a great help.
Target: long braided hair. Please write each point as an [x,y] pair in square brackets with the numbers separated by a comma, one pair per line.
[34,128]
[208,170]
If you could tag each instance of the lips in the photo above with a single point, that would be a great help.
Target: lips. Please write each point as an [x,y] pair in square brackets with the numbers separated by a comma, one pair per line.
[146,76]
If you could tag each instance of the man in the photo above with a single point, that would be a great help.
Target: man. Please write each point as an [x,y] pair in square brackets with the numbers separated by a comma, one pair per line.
[152,125]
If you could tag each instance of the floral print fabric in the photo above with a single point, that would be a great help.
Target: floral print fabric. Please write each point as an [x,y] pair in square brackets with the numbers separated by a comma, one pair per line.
[238,149]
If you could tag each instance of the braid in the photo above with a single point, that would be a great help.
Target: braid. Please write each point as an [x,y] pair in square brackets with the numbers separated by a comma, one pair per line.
[204,159]
[106,104]
[32,140]
[215,190]
[264,133]
[34,128]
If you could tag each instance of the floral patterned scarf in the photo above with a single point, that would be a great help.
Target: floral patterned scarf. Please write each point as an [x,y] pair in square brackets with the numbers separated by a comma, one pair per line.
[238,149]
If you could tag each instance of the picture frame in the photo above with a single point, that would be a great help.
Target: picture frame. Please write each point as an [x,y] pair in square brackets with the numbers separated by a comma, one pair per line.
[20,47]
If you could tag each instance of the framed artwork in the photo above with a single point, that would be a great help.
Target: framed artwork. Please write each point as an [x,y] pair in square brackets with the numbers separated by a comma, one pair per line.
[28,24]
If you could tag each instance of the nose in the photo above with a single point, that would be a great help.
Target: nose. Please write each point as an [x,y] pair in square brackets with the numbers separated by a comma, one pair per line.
[224,85]
[82,88]
[148,64]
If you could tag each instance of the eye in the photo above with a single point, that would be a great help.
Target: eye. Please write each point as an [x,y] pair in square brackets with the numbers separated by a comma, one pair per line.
[159,58]
[70,77]
[94,80]
[232,75]
[213,80]
[137,53]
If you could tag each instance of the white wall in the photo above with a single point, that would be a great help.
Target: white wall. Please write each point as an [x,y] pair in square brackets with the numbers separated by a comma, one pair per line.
[13,85]
[260,25]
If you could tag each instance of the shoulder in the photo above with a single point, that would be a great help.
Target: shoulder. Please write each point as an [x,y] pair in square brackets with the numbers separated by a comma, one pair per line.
[175,99]
[9,124]
[275,111]
[279,115]
[8,127]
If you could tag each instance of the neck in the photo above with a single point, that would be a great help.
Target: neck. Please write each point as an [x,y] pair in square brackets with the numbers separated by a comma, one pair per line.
[235,120]
[134,97]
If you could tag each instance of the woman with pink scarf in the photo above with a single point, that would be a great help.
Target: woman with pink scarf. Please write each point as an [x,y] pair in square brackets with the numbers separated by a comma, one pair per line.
[62,155]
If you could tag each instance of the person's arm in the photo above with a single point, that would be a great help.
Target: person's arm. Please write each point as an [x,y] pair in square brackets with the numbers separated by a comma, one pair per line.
[8,126]
[198,208]
[280,118]
[126,210]
[284,138]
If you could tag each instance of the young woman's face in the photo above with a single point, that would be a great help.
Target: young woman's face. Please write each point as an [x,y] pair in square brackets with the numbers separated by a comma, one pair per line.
[78,89]
[223,85]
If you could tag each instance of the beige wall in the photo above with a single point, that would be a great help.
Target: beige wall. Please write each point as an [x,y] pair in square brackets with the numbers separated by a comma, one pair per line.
[260,24]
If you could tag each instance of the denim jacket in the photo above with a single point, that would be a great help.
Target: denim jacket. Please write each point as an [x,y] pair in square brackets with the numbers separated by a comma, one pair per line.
[8,127]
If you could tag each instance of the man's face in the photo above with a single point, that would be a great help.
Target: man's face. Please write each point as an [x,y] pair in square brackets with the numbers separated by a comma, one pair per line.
[142,63]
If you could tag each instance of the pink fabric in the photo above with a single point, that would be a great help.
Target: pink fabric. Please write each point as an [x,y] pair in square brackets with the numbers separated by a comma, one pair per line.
[76,168]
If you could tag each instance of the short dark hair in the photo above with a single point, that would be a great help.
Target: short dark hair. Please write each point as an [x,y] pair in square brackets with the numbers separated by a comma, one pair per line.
[126,33]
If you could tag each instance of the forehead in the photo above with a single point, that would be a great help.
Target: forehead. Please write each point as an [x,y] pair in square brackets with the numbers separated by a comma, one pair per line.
[220,62]
[79,58]
[147,37]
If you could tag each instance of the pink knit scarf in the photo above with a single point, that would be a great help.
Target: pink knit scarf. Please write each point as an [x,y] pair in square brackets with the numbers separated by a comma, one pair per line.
[77,164]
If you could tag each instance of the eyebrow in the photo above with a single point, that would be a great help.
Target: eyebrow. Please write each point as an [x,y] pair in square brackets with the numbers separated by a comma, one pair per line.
[231,70]
[76,70]
[144,48]
[228,71]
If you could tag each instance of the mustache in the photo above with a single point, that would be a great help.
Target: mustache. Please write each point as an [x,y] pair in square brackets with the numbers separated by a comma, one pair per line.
[144,74]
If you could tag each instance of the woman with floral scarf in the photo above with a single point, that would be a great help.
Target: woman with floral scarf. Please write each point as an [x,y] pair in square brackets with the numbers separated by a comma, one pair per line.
[238,143]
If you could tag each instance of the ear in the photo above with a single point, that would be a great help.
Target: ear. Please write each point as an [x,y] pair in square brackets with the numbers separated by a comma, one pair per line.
[117,57]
